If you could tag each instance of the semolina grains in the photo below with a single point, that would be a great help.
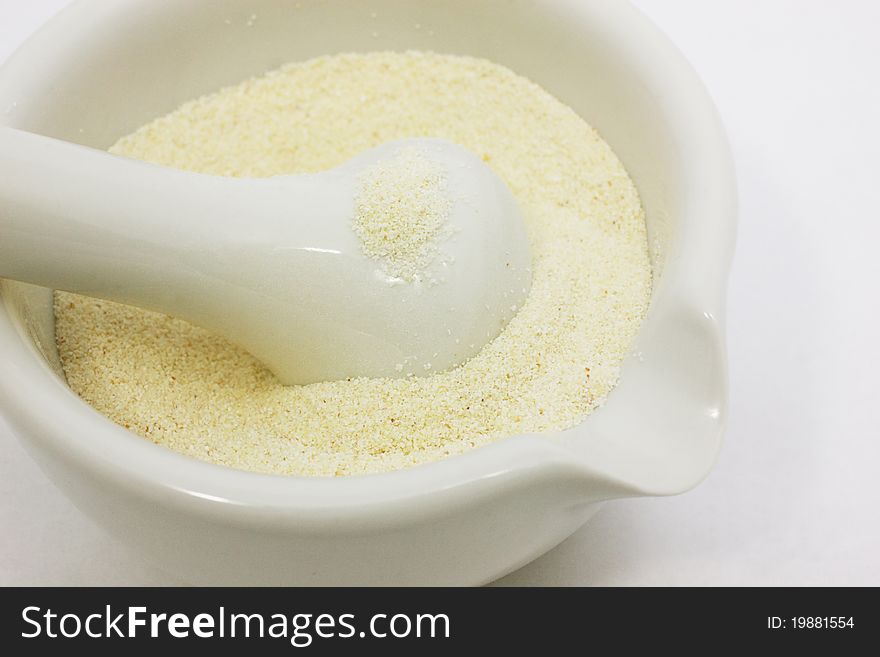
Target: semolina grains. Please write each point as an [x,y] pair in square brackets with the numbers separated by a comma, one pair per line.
[401,212]
[186,389]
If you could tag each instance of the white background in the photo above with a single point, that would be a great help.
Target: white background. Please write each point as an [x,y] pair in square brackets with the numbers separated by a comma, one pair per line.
[794,498]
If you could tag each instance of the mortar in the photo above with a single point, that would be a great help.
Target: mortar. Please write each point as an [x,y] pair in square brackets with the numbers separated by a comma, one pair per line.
[102,68]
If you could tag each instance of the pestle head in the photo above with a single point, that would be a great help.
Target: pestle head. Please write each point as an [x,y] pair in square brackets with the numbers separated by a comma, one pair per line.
[420,259]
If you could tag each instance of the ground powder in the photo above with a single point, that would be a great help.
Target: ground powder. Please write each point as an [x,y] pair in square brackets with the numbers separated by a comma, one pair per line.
[189,390]
[402,213]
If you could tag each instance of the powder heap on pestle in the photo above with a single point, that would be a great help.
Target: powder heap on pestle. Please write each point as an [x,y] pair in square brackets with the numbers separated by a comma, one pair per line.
[402,214]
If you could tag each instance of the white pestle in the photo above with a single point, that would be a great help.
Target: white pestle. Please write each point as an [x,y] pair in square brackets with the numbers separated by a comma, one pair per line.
[272,264]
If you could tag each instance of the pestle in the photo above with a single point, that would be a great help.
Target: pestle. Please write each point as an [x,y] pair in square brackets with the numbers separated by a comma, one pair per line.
[272,264]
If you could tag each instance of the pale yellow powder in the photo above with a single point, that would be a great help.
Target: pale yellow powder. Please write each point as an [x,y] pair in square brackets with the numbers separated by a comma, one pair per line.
[184,388]
[402,214]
